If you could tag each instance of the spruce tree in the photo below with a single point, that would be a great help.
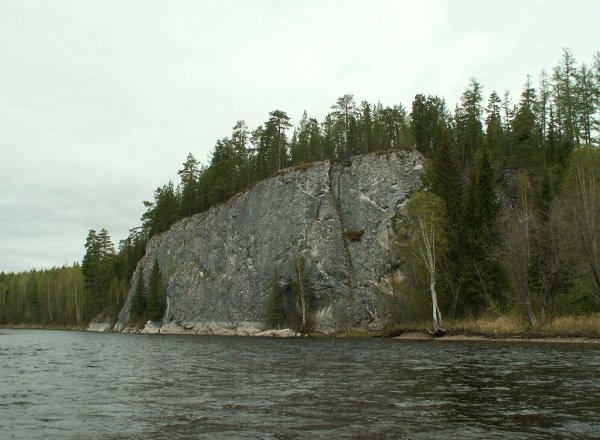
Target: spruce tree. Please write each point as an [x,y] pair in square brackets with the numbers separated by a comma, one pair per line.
[495,137]
[445,180]
[587,96]
[275,307]
[482,278]
[526,134]
[564,91]
[138,301]
[469,129]
[156,295]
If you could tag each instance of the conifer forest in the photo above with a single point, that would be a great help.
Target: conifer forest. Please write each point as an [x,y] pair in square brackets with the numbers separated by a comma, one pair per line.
[513,182]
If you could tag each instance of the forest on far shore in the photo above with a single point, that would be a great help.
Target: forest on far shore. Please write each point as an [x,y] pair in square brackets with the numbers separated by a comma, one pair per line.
[512,188]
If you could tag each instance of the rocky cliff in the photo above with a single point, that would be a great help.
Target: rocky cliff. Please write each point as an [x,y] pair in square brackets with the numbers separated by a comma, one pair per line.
[219,265]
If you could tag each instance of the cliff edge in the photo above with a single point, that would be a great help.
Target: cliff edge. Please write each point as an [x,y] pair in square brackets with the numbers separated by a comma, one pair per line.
[218,266]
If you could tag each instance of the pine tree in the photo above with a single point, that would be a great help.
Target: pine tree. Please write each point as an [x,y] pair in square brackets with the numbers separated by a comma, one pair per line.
[91,261]
[299,145]
[162,213]
[344,118]
[222,178]
[97,267]
[279,122]
[366,127]
[394,129]
[429,122]
[270,143]
[189,187]
[131,250]
[240,138]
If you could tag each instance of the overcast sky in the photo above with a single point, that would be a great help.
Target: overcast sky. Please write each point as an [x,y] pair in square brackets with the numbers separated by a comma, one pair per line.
[100,101]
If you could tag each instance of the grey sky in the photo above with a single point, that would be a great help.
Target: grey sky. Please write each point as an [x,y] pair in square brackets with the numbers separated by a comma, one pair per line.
[100,101]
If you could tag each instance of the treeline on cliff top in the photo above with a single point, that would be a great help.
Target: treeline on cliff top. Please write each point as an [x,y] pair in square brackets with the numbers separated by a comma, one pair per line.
[518,180]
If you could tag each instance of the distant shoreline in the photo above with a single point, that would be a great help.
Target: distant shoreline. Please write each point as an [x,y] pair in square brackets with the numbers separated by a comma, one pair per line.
[41,327]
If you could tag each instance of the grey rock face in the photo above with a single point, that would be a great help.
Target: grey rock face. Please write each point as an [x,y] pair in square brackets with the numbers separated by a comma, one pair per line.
[219,265]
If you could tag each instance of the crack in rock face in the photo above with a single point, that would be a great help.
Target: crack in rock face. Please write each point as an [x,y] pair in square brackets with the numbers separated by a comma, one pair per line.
[219,265]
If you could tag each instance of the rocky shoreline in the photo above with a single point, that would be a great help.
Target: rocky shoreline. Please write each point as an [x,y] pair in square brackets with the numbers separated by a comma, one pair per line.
[289,333]
[255,330]
[248,328]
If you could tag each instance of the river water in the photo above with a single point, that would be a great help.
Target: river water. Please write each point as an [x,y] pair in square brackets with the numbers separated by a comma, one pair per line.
[79,385]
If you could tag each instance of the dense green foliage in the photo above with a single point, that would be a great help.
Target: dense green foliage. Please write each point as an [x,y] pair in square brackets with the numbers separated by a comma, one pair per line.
[518,183]
[52,297]
[74,295]
[248,156]
[511,176]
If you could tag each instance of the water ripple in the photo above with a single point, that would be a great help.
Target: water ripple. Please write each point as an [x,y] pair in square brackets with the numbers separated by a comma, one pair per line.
[107,386]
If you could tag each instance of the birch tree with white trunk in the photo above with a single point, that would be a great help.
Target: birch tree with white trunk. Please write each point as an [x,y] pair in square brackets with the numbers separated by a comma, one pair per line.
[425,223]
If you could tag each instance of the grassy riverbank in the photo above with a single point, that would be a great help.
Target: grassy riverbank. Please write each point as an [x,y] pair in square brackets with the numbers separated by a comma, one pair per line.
[505,327]
[584,328]
[566,326]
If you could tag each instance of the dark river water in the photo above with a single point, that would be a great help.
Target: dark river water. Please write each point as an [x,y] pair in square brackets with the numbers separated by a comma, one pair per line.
[79,385]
